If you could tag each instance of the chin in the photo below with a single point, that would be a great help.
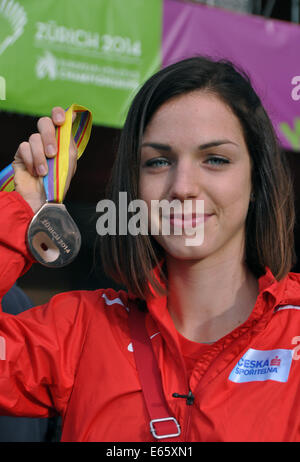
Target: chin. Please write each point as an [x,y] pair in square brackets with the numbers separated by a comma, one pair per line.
[177,248]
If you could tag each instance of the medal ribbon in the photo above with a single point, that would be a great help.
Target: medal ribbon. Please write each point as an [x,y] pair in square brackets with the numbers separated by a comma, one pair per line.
[55,180]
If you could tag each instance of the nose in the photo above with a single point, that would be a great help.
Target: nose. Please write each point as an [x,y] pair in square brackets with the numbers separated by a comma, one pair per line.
[185,181]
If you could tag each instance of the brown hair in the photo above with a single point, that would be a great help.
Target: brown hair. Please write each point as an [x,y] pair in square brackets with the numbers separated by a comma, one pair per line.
[130,260]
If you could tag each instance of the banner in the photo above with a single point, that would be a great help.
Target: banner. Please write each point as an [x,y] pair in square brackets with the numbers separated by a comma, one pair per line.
[96,53]
[268,50]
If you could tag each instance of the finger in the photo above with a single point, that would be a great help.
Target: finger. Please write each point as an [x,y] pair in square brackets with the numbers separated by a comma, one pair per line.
[23,158]
[47,131]
[38,154]
[58,115]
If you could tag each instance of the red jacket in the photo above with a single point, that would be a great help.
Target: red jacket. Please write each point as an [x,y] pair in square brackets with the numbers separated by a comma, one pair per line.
[74,356]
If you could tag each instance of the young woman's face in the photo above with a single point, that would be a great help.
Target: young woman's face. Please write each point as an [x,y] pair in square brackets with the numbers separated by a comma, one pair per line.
[194,149]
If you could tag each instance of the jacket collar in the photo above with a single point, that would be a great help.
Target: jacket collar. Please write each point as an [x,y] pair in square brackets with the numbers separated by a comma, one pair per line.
[285,291]
[274,293]
[269,285]
[282,292]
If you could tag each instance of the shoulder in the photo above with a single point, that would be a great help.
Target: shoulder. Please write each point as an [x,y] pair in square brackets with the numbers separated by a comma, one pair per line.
[290,295]
[81,306]
[103,315]
[104,299]
[90,303]
[294,277]
[293,283]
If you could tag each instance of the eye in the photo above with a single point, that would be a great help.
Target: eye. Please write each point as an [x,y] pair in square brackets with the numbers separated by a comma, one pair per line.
[157,162]
[216,161]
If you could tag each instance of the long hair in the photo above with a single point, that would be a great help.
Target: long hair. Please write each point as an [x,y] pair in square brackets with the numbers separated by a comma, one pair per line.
[130,260]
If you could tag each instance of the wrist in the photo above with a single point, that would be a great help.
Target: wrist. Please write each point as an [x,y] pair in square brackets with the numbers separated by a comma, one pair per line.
[34,202]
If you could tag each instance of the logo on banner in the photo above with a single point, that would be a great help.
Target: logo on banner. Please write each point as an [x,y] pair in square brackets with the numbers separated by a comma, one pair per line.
[46,66]
[79,44]
[53,68]
[260,365]
[50,34]
[296,90]
[12,21]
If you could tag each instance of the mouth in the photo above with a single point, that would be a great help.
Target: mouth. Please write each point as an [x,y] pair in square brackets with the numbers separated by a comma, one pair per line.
[188,220]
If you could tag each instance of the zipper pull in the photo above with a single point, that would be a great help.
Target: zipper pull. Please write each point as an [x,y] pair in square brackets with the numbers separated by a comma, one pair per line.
[190,398]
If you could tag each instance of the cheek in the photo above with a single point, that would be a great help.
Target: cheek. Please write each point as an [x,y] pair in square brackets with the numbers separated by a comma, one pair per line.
[144,191]
[149,190]
[234,196]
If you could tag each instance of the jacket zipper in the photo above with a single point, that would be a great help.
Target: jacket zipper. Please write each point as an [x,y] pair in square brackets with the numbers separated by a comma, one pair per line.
[187,422]
[190,398]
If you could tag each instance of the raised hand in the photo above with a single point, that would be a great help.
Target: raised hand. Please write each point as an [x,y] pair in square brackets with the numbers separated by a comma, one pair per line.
[30,161]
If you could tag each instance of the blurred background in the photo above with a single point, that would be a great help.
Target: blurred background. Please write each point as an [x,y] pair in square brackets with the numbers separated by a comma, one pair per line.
[97,53]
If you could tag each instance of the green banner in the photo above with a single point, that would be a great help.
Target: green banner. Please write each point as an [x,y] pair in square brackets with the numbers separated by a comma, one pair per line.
[94,53]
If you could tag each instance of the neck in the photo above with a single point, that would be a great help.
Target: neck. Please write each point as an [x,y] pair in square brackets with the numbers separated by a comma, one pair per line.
[207,300]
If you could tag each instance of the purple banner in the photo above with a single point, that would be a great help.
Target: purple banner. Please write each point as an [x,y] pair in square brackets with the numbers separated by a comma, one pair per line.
[268,50]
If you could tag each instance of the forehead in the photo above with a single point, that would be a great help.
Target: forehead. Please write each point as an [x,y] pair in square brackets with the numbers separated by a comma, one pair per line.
[198,114]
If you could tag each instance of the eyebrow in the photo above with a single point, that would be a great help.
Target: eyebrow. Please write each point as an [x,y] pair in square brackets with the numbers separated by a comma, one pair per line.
[166,147]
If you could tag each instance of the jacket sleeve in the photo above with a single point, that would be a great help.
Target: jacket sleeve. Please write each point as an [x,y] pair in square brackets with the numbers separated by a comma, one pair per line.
[40,348]
[15,260]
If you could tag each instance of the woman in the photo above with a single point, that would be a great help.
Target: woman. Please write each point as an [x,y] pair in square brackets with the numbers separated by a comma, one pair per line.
[221,316]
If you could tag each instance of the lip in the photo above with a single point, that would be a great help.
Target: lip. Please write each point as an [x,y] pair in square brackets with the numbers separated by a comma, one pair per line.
[189,219]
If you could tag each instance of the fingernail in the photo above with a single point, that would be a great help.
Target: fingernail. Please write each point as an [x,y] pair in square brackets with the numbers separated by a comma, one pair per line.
[59,118]
[50,149]
[42,170]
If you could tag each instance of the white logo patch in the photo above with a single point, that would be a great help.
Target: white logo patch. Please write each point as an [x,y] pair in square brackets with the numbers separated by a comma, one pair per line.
[260,365]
